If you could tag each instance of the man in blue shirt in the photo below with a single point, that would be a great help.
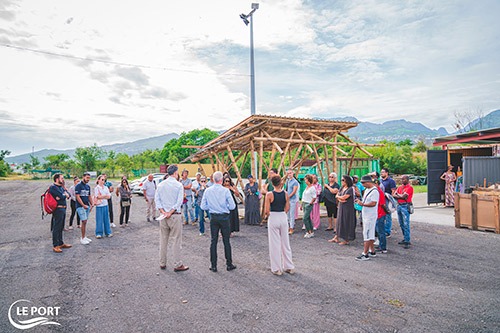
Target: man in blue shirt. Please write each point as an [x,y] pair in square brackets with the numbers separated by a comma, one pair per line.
[218,201]
[292,188]
[83,204]
[389,186]
[59,193]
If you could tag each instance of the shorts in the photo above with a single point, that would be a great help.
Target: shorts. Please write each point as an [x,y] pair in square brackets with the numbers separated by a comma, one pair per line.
[83,213]
[369,227]
[331,209]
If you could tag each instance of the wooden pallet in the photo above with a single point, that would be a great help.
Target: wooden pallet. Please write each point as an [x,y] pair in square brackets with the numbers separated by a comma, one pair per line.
[477,212]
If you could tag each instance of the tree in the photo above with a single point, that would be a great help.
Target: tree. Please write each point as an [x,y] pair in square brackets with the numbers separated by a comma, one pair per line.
[34,161]
[420,147]
[173,152]
[88,157]
[55,161]
[124,163]
[4,166]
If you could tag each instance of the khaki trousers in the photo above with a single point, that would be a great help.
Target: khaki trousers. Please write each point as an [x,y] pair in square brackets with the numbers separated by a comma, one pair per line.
[151,211]
[171,230]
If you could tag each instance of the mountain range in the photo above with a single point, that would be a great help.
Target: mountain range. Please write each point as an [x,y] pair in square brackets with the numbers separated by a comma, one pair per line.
[366,132]
[130,148]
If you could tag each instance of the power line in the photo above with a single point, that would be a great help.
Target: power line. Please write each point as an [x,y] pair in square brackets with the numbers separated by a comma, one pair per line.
[110,62]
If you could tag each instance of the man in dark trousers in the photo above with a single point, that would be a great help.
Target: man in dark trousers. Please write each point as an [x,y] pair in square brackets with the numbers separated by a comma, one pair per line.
[218,201]
[59,193]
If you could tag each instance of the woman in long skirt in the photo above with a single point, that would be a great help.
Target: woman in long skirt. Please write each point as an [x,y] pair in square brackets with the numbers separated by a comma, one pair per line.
[277,204]
[346,220]
[449,178]
[315,213]
[252,206]
[101,196]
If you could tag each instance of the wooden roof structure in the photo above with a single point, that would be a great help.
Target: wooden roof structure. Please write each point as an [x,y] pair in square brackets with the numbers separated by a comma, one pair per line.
[290,142]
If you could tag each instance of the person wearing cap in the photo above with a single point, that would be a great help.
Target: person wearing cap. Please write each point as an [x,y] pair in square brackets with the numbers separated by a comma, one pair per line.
[252,202]
[58,191]
[169,196]
[84,203]
[369,205]
[71,192]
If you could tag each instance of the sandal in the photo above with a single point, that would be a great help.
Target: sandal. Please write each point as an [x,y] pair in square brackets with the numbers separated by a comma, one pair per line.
[344,243]
[328,229]
[333,240]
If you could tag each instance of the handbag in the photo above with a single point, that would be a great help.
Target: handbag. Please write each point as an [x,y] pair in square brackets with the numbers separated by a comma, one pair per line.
[126,202]
[411,209]
[386,209]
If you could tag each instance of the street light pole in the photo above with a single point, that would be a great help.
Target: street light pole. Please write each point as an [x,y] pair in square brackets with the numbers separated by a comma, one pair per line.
[245,18]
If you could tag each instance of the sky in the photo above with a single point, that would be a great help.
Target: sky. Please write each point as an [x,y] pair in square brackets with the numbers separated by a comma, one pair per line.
[75,73]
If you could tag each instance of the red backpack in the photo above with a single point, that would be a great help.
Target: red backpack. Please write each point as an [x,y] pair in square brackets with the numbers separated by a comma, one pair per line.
[48,203]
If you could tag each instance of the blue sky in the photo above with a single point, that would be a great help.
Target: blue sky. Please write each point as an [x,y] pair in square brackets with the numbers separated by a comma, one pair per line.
[175,66]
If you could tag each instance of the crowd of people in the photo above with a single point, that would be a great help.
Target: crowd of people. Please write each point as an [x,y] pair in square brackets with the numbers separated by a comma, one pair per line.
[178,200]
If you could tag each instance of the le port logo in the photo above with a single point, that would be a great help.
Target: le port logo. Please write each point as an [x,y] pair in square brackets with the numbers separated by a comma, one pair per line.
[23,315]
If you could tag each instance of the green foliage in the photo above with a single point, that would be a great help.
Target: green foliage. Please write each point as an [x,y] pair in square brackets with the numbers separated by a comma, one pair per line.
[55,161]
[34,161]
[399,158]
[87,158]
[4,166]
[420,147]
[173,152]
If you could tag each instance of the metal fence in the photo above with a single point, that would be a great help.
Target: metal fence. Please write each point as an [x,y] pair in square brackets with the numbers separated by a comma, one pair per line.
[481,170]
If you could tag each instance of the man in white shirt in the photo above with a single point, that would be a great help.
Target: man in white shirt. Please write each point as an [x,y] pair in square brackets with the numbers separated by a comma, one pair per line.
[369,205]
[169,196]
[195,188]
[149,191]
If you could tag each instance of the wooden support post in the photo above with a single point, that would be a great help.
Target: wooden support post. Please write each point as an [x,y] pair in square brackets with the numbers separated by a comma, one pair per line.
[334,156]
[212,163]
[261,157]
[202,171]
[327,161]
[252,158]
[236,169]
[273,141]
[457,209]
[283,156]
[318,163]
[473,201]
[271,159]
[351,161]
[496,207]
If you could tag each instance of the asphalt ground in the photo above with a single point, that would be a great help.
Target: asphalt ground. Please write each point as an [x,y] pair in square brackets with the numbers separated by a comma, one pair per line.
[448,281]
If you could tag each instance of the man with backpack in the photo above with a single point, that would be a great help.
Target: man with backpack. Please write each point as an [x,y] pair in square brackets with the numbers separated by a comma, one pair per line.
[60,194]
[389,187]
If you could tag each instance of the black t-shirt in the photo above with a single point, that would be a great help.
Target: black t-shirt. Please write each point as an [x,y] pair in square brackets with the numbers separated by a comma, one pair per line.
[328,196]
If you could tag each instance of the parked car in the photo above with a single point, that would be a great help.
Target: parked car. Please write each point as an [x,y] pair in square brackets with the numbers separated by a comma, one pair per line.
[137,188]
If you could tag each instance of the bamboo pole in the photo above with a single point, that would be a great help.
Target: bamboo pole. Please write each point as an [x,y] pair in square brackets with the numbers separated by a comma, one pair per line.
[271,159]
[202,171]
[351,161]
[318,162]
[299,164]
[272,140]
[283,156]
[359,146]
[212,163]
[252,156]
[317,142]
[236,169]
[325,148]
[334,155]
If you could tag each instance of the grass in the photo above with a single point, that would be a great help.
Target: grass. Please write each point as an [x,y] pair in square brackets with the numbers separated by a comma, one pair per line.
[419,188]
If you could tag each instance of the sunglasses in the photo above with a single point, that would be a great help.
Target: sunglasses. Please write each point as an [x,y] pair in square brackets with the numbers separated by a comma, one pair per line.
[203,181]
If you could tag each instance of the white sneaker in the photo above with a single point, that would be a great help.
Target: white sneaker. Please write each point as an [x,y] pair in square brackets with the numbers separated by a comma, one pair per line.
[83,241]
[377,242]
[70,228]
[311,235]
[113,225]
[307,235]
[88,239]
[98,237]
[303,227]
[315,229]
